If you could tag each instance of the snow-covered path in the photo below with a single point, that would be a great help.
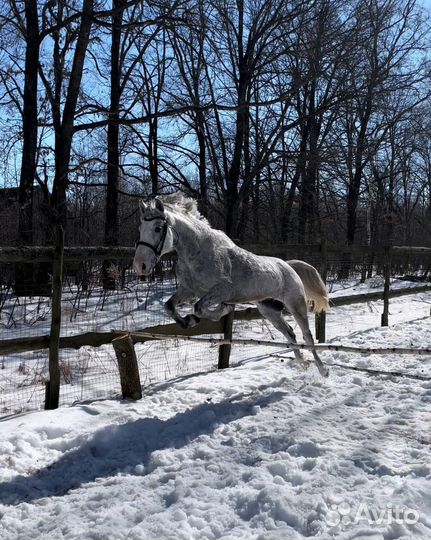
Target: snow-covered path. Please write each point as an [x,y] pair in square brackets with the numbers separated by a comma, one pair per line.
[260,451]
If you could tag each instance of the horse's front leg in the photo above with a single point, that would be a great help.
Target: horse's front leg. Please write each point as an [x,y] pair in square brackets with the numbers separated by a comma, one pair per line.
[180,296]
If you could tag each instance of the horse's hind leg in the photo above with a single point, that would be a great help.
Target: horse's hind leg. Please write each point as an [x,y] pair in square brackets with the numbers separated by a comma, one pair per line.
[299,312]
[272,311]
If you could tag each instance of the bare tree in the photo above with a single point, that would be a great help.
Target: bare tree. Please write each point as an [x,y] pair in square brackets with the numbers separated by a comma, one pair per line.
[113,132]
[390,35]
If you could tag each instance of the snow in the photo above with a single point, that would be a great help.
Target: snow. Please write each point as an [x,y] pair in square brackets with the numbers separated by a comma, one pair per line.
[259,451]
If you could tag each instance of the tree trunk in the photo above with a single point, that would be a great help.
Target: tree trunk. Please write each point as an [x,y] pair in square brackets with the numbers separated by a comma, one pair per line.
[241,129]
[63,145]
[111,209]
[355,184]
[299,171]
[308,202]
[152,156]
[24,274]
[233,178]
[29,149]
[203,187]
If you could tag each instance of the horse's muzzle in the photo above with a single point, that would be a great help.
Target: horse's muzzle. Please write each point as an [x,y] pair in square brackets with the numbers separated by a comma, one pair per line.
[142,269]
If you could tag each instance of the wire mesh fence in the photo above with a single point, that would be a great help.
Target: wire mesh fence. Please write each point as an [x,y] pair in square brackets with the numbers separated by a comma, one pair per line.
[22,381]
[91,372]
[88,372]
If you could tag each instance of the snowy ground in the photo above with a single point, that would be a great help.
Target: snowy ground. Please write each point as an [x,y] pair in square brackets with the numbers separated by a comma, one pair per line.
[259,451]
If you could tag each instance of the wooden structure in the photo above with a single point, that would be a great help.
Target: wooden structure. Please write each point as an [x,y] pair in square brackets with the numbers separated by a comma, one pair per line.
[124,346]
[52,394]
[128,367]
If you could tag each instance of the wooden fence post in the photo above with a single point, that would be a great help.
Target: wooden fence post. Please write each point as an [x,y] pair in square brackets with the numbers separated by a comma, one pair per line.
[52,387]
[224,350]
[128,367]
[387,286]
[320,318]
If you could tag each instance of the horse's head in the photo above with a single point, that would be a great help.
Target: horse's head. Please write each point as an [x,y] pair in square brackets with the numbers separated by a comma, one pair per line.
[155,237]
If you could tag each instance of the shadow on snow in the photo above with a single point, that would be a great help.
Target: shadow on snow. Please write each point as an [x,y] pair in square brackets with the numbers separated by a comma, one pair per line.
[116,448]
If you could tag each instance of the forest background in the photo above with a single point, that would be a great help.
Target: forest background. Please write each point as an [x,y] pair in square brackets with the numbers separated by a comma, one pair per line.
[289,121]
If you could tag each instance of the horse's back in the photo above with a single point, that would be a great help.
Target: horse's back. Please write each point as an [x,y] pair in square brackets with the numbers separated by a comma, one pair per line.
[260,277]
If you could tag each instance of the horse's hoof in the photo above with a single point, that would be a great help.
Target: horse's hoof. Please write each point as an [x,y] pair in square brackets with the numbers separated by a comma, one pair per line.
[229,308]
[324,371]
[304,364]
[190,321]
[181,323]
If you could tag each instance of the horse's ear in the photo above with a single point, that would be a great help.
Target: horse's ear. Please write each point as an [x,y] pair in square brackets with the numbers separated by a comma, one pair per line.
[159,205]
[142,208]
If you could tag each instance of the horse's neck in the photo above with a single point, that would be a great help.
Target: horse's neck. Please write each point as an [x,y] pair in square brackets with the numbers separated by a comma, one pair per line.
[193,236]
[187,237]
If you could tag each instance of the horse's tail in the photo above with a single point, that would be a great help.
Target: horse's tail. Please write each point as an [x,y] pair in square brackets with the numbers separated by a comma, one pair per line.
[315,289]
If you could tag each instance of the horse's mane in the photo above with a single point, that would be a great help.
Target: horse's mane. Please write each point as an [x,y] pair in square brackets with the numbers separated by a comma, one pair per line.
[179,203]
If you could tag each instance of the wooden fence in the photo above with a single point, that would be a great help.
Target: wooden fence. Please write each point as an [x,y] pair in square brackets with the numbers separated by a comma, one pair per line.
[124,343]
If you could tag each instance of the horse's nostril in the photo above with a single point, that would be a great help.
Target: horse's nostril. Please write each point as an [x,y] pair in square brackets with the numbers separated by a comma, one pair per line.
[143,267]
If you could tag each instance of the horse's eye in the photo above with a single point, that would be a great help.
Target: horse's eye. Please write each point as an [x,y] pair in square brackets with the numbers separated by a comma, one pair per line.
[157,229]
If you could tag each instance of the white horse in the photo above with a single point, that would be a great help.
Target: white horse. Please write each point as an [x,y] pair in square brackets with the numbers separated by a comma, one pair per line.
[218,274]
